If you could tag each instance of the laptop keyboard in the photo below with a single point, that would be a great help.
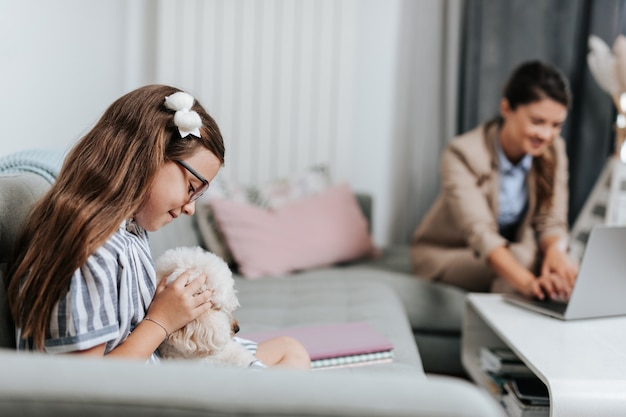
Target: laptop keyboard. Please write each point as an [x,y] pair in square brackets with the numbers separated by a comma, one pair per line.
[552,305]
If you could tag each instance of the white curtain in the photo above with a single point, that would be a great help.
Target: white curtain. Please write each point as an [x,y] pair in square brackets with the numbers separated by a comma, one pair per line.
[275,74]
[365,86]
[428,72]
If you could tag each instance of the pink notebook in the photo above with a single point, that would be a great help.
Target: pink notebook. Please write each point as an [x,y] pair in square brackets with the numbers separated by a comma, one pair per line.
[330,340]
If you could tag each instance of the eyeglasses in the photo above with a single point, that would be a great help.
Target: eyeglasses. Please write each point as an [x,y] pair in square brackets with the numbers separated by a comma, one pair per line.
[200,190]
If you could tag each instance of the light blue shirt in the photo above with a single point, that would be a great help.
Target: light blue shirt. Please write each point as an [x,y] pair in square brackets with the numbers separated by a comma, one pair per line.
[513,193]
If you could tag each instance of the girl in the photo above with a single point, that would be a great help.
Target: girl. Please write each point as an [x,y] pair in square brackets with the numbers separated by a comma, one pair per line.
[500,221]
[82,278]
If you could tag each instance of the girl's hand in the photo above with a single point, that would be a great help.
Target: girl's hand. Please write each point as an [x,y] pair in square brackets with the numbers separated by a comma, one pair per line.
[178,303]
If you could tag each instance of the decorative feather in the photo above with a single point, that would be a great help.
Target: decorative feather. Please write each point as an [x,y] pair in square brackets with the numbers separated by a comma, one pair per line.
[619,49]
[602,64]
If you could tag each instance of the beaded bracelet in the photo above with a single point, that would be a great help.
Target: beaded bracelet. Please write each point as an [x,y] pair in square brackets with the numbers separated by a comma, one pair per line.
[167,334]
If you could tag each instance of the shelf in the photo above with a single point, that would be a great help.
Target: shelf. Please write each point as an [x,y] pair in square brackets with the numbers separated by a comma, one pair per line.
[581,362]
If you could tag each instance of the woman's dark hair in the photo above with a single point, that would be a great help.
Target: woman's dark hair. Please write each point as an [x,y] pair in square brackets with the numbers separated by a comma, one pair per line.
[530,82]
[533,81]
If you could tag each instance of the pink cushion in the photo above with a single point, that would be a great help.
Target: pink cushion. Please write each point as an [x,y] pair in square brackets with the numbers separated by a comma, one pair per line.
[272,194]
[320,230]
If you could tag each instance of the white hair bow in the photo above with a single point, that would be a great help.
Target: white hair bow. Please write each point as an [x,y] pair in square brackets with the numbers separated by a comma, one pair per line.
[188,121]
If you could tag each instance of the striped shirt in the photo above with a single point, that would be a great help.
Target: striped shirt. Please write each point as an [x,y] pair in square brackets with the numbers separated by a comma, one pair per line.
[250,346]
[107,298]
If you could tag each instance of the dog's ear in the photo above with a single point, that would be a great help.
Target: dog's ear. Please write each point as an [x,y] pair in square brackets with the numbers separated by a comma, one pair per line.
[215,331]
[204,336]
[184,341]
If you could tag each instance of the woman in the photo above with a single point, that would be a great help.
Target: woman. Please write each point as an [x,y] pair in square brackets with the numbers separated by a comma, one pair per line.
[82,279]
[500,220]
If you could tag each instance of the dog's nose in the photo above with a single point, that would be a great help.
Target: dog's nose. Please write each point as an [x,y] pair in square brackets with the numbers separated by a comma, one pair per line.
[235,328]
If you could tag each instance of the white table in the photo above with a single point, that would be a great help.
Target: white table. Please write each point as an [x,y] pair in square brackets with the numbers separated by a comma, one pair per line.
[582,362]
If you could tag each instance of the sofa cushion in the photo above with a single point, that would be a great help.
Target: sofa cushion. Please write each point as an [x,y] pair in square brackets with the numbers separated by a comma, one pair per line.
[431,306]
[320,230]
[271,194]
[434,310]
[322,296]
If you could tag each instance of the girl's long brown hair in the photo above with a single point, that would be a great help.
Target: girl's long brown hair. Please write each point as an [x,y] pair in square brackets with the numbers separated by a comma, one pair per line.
[529,83]
[103,181]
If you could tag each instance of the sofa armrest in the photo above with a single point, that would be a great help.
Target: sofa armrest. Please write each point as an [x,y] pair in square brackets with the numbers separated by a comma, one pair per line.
[41,385]
[18,195]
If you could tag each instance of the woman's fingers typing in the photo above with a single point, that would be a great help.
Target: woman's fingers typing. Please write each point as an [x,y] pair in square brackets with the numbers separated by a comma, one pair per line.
[555,286]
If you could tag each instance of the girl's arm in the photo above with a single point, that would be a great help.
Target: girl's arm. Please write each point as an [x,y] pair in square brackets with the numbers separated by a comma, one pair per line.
[140,344]
[173,306]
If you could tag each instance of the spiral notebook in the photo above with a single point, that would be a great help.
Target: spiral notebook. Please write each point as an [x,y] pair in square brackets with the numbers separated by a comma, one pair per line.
[333,345]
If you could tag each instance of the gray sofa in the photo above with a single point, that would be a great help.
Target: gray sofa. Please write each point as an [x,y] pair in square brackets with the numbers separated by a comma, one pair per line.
[434,310]
[40,384]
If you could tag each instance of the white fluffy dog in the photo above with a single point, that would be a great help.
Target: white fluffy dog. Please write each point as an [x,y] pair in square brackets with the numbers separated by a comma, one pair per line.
[210,336]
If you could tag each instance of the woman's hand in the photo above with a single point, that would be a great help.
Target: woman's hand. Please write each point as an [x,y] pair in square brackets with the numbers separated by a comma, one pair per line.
[558,274]
[178,303]
[556,260]
[551,285]
[558,271]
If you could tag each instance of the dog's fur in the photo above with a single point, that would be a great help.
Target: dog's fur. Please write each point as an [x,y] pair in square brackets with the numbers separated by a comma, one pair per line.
[210,336]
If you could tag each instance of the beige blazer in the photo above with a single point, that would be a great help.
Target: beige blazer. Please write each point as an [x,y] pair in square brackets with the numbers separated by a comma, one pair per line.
[465,213]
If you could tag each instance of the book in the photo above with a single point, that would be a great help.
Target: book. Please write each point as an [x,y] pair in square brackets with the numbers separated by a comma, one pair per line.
[529,390]
[353,360]
[502,361]
[495,383]
[335,345]
[526,396]
[515,408]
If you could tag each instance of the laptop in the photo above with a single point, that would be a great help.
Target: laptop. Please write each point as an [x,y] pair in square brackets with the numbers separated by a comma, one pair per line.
[600,289]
